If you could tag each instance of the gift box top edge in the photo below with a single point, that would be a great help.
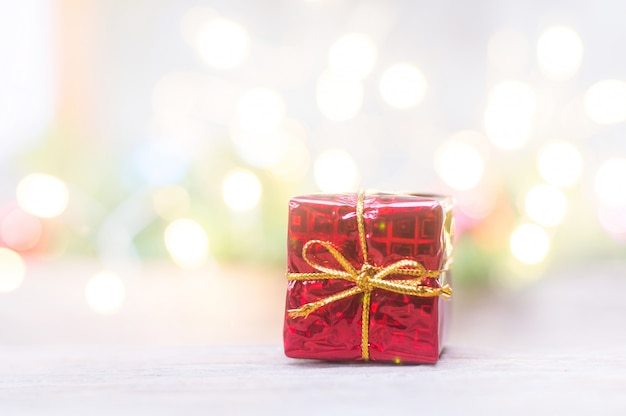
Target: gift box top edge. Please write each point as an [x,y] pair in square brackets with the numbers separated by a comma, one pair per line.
[349,199]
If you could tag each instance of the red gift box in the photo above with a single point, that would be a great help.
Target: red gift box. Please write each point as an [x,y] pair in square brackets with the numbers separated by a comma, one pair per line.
[368,277]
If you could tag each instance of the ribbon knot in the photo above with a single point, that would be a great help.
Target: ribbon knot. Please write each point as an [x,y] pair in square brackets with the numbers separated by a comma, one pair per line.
[365,274]
[367,279]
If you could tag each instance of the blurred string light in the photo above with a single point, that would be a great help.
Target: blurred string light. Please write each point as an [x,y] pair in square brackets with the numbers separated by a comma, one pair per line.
[105,293]
[241,190]
[610,182]
[20,231]
[335,171]
[509,113]
[605,101]
[42,195]
[187,243]
[529,243]
[459,164]
[560,164]
[12,270]
[222,43]
[171,202]
[403,86]
[260,111]
[352,56]
[508,51]
[546,205]
[339,98]
[559,52]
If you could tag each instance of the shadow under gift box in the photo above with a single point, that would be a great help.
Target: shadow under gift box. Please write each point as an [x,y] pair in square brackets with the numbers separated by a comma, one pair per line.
[402,328]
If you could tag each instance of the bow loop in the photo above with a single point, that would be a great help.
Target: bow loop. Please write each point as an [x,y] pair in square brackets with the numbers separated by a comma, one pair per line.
[348,272]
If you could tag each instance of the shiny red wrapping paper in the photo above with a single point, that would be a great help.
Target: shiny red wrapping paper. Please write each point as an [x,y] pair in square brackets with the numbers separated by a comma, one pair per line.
[402,328]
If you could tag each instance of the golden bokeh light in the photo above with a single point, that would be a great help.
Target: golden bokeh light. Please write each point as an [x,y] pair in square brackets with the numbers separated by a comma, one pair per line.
[352,56]
[187,243]
[403,86]
[560,164]
[610,182]
[546,205]
[42,195]
[605,101]
[222,43]
[105,293]
[241,190]
[559,52]
[12,270]
[529,243]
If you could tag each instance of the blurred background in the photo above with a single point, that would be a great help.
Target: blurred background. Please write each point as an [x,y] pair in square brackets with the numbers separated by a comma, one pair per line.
[148,150]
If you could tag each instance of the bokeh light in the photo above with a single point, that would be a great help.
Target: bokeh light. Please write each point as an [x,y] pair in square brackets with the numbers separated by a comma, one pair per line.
[187,243]
[509,114]
[559,52]
[613,220]
[260,111]
[293,162]
[508,51]
[560,164]
[339,98]
[335,171]
[546,205]
[20,231]
[605,101]
[260,150]
[403,86]
[610,182]
[352,56]
[241,190]
[223,44]
[459,165]
[42,195]
[476,205]
[12,270]
[105,293]
[529,243]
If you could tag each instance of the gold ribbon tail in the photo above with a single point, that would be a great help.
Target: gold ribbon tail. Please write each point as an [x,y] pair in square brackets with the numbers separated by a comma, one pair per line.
[308,308]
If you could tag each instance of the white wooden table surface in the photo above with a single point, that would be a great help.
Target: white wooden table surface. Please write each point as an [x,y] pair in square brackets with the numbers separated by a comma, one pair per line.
[549,348]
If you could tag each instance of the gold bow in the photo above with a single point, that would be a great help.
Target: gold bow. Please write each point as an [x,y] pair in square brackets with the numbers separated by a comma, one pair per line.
[366,280]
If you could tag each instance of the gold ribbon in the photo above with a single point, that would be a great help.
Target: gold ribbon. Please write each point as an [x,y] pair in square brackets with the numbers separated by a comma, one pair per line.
[367,279]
